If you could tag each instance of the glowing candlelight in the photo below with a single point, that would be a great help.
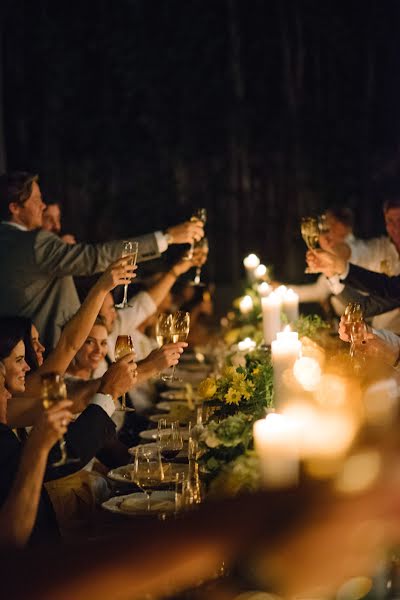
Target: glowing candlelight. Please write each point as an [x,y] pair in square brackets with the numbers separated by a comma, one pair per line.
[246,305]
[251,262]
[307,373]
[264,289]
[275,440]
[260,272]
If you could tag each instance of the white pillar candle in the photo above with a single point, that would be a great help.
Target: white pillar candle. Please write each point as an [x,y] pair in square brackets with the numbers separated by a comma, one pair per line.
[275,441]
[291,305]
[285,350]
[246,305]
[251,263]
[264,289]
[271,311]
[260,272]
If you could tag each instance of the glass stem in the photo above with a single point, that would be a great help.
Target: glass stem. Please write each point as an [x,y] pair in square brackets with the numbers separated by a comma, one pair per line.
[173,372]
[125,300]
[123,402]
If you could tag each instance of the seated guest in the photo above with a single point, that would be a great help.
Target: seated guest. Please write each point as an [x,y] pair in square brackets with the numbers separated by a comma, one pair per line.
[339,221]
[91,430]
[52,222]
[39,267]
[26,513]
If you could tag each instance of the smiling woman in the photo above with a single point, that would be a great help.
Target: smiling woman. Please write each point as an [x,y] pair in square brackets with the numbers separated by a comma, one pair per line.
[92,352]
[12,353]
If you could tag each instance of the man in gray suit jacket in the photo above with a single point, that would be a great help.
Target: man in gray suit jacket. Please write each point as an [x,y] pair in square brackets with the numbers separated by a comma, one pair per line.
[37,268]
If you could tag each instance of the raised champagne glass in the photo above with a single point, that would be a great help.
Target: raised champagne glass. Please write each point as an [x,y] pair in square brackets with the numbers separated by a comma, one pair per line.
[163,336]
[53,391]
[123,346]
[179,332]
[310,232]
[130,251]
[147,470]
[199,215]
[202,246]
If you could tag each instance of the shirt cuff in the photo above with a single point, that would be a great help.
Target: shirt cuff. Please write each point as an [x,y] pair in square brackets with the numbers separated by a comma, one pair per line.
[161,241]
[105,402]
[335,284]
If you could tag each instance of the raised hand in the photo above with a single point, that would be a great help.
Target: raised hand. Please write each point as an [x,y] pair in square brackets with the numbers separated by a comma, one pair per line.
[51,425]
[120,377]
[120,272]
[325,262]
[187,232]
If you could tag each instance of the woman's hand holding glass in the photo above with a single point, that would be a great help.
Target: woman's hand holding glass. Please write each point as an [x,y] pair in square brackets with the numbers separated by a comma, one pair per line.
[120,272]
[129,253]
[54,392]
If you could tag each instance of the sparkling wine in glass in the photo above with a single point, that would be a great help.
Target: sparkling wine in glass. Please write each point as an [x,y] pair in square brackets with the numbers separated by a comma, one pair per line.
[163,335]
[123,346]
[310,233]
[147,470]
[179,331]
[130,251]
[199,215]
[53,391]
[202,246]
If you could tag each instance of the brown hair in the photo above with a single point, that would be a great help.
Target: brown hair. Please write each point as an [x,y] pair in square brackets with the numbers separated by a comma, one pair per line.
[15,187]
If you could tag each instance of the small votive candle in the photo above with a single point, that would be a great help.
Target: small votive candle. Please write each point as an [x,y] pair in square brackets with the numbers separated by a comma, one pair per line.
[251,262]
[264,289]
[246,305]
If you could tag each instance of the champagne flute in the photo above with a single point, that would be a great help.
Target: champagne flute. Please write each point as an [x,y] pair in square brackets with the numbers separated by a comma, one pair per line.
[147,469]
[310,233]
[170,441]
[199,215]
[54,390]
[163,335]
[202,245]
[179,332]
[130,250]
[124,346]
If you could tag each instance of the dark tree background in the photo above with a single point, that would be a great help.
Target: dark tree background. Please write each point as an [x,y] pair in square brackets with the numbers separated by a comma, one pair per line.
[136,111]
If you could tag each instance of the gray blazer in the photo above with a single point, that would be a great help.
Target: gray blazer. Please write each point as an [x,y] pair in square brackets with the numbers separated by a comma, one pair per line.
[36,270]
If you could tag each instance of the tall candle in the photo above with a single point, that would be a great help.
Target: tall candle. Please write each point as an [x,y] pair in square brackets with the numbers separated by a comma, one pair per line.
[246,305]
[291,305]
[251,263]
[275,441]
[285,350]
[271,311]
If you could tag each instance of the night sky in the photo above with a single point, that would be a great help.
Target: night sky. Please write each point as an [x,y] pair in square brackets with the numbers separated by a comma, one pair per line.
[135,112]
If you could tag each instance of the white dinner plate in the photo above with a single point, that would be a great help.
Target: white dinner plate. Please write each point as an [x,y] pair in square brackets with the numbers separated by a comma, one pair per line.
[182,454]
[151,434]
[136,504]
[123,474]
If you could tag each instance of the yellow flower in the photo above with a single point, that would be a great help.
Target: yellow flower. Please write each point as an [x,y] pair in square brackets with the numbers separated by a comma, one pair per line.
[208,388]
[232,396]
[229,372]
[231,336]
[255,371]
